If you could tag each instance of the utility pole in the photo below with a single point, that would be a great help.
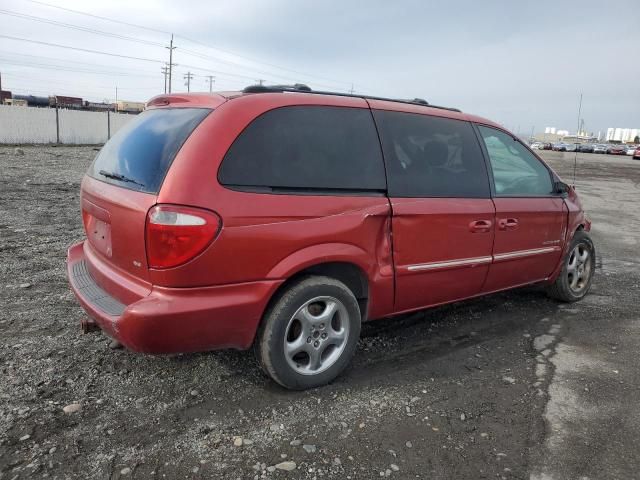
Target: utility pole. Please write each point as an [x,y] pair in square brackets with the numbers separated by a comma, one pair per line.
[260,81]
[165,72]
[1,97]
[575,159]
[188,76]
[352,90]
[171,64]
[211,79]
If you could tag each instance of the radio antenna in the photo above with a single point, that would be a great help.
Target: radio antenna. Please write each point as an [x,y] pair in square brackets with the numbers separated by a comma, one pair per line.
[575,158]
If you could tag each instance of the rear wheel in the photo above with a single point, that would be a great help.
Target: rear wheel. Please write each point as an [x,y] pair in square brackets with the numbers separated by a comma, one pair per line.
[576,276]
[309,334]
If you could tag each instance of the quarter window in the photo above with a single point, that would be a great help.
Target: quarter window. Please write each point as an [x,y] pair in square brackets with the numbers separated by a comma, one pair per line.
[428,156]
[307,148]
[516,171]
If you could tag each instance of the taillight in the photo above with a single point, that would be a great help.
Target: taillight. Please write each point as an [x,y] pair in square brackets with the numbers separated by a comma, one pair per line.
[177,234]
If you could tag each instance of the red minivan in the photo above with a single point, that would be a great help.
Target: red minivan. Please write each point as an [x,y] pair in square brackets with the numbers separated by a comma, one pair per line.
[282,218]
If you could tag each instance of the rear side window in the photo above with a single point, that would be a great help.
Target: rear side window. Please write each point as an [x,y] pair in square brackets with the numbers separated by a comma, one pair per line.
[429,156]
[307,148]
[140,153]
[516,171]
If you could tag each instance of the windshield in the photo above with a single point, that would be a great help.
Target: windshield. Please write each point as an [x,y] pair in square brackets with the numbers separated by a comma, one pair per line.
[138,156]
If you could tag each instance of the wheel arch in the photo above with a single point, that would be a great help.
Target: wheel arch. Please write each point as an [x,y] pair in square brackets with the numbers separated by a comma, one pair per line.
[349,273]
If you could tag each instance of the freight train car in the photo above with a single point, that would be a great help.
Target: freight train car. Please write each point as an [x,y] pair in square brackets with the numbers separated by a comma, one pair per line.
[98,106]
[62,101]
[33,101]
[16,102]
[130,107]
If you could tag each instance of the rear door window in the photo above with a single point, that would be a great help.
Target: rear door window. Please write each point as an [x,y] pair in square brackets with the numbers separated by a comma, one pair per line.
[307,149]
[429,156]
[138,156]
[516,171]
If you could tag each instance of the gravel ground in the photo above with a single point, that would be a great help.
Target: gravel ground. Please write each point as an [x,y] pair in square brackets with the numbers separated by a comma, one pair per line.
[509,386]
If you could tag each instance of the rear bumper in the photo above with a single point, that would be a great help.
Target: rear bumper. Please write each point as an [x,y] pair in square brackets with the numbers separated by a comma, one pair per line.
[172,320]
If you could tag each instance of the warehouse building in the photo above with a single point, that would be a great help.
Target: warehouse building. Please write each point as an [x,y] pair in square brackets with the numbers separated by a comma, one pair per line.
[624,135]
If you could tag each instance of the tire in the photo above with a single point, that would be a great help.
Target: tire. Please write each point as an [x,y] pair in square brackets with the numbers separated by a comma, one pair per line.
[576,276]
[309,333]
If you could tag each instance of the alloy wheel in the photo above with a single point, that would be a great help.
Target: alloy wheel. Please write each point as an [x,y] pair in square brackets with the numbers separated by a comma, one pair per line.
[579,268]
[316,335]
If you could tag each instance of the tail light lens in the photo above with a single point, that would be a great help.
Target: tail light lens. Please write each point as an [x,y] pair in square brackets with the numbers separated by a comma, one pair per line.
[177,234]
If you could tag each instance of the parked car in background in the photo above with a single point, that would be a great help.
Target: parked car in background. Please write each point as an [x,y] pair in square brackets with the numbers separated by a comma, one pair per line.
[616,150]
[636,154]
[631,149]
[547,146]
[536,146]
[600,148]
[262,219]
[559,147]
[571,147]
[586,148]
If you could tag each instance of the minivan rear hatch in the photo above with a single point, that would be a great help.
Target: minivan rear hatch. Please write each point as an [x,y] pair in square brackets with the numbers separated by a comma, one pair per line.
[123,181]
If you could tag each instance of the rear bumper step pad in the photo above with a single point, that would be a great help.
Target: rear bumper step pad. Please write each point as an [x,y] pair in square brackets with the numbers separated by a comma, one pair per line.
[89,289]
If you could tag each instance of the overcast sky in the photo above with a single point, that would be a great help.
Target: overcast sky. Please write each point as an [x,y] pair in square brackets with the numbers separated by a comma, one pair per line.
[522,64]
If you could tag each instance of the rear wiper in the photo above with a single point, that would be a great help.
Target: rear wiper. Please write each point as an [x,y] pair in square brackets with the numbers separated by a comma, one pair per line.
[119,176]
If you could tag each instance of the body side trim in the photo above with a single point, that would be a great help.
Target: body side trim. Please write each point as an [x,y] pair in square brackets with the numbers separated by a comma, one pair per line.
[481,260]
[450,264]
[524,253]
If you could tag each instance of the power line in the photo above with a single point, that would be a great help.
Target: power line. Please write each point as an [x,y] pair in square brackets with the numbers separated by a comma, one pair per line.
[25,79]
[187,39]
[108,68]
[201,55]
[110,73]
[77,27]
[79,49]
[254,70]
[20,58]
[228,74]
[99,17]
[32,79]
[45,66]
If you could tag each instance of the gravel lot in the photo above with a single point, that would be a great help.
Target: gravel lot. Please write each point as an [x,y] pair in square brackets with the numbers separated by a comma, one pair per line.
[509,386]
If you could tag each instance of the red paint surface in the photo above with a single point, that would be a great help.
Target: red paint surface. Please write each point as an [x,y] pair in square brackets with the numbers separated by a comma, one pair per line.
[217,299]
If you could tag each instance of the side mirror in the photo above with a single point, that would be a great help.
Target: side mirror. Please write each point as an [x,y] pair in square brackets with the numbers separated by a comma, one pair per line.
[560,188]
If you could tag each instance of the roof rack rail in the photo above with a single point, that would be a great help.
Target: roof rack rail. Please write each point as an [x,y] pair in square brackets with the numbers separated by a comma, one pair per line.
[302,88]
[298,87]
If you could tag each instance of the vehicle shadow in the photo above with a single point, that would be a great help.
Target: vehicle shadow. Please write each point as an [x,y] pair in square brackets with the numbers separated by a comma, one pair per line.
[412,343]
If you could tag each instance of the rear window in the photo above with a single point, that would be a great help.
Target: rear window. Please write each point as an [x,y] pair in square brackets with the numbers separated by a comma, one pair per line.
[312,149]
[139,155]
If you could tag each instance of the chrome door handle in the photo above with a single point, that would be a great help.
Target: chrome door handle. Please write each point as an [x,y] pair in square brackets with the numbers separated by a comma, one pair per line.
[480,226]
[508,223]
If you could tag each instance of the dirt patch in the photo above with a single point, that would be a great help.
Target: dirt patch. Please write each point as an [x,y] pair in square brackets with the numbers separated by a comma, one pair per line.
[448,393]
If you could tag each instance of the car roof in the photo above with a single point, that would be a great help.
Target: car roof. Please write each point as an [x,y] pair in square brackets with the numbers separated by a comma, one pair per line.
[276,94]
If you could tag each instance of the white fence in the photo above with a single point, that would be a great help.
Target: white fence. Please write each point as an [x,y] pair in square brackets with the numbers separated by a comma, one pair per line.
[45,125]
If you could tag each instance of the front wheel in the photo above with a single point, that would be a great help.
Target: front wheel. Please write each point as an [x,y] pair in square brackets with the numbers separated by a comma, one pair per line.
[309,334]
[576,276]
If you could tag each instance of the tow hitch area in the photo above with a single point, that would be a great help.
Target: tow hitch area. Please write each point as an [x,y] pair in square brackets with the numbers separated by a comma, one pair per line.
[88,325]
